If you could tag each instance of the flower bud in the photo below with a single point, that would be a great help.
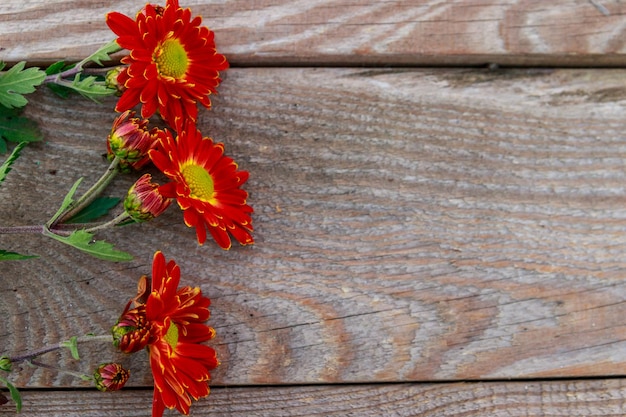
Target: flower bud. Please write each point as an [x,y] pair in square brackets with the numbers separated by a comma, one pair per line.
[110,376]
[144,201]
[5,364]
[111,80]
[130,141]
[131,333]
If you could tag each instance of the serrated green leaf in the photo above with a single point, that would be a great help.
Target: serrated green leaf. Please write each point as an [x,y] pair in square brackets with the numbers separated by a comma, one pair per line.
[13,256]
[14,128]
[98,208]
[89,87]
[85,242]
[67,201]
[15,394]
[103,53]
[6,165]
[72,345]
[18,81]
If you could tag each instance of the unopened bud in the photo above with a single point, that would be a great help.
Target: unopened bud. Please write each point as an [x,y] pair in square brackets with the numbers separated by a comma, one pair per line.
[110,376]
[5,364]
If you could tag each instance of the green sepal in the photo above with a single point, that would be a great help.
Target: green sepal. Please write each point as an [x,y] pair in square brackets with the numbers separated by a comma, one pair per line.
[98,208]
[85,242]
[13,256]
[18,81]
[15,394]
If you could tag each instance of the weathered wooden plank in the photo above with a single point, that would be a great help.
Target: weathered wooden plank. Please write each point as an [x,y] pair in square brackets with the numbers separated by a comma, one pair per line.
[410,225]
[310,32]
[497,399]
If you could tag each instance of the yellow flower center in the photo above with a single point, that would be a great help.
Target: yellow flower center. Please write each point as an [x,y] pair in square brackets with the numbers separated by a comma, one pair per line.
[200,182]
[171,337]
[171,59]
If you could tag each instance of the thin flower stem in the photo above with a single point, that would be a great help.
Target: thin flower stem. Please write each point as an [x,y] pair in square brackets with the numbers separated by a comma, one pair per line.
[29,356]
[113,222]
[5,230]
[91,193]
[62,371]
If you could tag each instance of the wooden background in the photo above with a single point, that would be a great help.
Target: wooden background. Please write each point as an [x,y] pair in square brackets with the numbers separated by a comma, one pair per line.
[434,236]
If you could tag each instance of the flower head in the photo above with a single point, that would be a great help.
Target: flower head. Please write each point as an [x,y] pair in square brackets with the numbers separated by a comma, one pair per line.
[110,376]
[172,65]
[130,140]
[131,333]
[206,185]
[144,202]
[180,363]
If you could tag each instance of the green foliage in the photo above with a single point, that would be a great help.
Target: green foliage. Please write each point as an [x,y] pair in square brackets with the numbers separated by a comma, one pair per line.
[90,88]
[103,53]
[56,68]
[72,345]
[15,394]
[6,165]
[85,242]
[12,256]
[98,208]
[15,128]
[18,81]
[67,201]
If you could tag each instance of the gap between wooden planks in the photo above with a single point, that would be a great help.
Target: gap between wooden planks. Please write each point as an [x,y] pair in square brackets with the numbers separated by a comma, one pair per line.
[345,32]
[410,225]
[603,397]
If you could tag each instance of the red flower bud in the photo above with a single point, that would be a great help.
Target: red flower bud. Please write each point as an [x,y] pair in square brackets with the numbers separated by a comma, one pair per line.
[110,376]
[144,201]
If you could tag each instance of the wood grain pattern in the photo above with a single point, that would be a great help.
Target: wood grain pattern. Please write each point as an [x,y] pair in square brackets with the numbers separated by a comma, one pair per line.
[314,32]
[410,225]
[495,399]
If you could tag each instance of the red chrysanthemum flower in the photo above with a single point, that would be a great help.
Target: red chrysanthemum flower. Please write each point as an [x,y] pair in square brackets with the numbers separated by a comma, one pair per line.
[180,363]
[206,185]
[172,63]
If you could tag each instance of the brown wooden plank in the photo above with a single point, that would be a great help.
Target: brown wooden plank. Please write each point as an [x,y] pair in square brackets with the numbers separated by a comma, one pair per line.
[497,399]
[310,32]
[410,225]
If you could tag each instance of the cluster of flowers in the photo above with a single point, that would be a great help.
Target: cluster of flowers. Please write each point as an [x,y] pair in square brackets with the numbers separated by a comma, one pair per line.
[171,66]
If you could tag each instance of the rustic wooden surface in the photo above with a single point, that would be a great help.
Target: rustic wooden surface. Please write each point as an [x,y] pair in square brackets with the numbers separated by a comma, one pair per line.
[340,32]
[412,224]
[494,399]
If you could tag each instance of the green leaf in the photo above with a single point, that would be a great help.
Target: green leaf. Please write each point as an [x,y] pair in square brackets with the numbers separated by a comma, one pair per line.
[98,208]
[15,394]
[12,256]
[67,201]
[58,67]
[14,128]
[18,81]
[72,345]
[60,90]
[6,165]
[90,88]
[103,53]
[85,242]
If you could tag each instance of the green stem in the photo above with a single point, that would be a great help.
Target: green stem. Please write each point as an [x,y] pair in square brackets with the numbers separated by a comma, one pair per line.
[29,356]
[113,222]
[62,371]
[91,193]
